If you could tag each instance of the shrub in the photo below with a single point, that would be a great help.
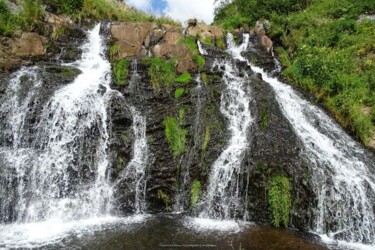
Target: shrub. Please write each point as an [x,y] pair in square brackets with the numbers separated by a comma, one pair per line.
[7,24]
[175,135]
[30,16]
[184,78]
[161,72]
[195,192]
[279,200]
[191,44]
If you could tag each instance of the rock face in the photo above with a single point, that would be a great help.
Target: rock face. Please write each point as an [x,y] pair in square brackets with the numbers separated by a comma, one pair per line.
[261,28]
[204,31]
[29,44]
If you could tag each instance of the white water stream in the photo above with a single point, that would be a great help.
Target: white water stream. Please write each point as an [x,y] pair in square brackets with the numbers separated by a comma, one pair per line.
[223,199]
[342,172]
[61,181]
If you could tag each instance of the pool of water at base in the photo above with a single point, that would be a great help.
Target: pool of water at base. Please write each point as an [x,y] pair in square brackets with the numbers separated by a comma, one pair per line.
[172,231]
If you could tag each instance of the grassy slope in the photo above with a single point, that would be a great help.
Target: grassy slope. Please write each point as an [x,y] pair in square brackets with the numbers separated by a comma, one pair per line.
[331,55]
[30,19]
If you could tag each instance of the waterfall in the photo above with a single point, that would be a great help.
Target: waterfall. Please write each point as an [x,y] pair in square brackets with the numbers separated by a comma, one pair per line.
[342,172]
[135,171]
[202,51]
[223,198]
[134,175]
[60,175]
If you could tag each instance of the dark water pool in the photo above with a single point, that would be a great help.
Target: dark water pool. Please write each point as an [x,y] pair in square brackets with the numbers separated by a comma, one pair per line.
[179,232]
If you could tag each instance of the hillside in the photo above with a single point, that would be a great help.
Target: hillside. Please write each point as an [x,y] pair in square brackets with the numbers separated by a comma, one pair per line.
[326,48]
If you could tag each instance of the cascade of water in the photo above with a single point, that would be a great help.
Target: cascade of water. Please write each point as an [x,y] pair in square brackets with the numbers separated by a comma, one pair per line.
[202,51]
[342,172]
[134,174]
[62,174]
[135,171]
[17,100]
[223,199]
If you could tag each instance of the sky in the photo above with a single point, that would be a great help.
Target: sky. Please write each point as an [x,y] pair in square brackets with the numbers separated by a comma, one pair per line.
[180,10]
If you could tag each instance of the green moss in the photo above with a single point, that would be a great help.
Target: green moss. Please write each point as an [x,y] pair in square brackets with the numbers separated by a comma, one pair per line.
[175,135]
[263,118]
[120,71]
[184,78]
[279,200]
[208,41]
[206,139]
[164,198]
[199,60]
[195,192]
[204,78]
[124,137]
[220,43]
[120,164]
[179,92]
[69,72]
[114,51]
[191,44]
[161,72]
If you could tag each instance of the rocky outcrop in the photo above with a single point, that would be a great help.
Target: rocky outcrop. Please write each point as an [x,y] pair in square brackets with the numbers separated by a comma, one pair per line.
[29,45]
[261,28]
[137,39]
[204,31]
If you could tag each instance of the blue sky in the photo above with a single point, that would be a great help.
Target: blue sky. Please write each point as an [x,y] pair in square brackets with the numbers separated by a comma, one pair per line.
[159,5]
[177,9]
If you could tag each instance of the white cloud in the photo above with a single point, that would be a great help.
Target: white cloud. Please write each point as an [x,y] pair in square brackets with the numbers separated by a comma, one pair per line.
[144,5]
[184,9]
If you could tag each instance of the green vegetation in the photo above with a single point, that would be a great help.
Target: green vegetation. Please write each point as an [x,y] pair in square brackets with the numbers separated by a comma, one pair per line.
[184,78]
[114,51]
[165,198]
[199,60]
[68,7]
[240,13]
[191,44]
[206,139]
[263,118]
[279,200]
[124,137]
[179,92]
[326,50]
[220,43]
[120,71]
[204,78]
[27,20]
[195,192]
[175,135]
[208,41]
[161,72]
[30,18]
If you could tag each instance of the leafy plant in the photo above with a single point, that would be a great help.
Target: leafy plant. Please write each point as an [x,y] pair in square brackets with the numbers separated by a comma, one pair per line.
[165,198]
[114,51]
[279,200]
[175,135]
[120,71]
[199,60]
[184,78]
[195,192]
[179,92]
[161,72]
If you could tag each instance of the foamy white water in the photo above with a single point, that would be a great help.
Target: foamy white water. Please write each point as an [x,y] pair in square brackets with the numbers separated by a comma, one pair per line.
[60,181]
[202,51]
[342,172]
[223,198]
[206,224]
